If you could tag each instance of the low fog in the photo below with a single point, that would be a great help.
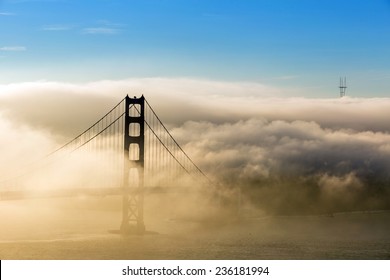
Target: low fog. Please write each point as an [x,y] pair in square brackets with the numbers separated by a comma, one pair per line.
[288,155]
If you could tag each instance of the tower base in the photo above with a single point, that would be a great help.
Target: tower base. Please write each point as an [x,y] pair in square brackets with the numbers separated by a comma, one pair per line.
[136,229]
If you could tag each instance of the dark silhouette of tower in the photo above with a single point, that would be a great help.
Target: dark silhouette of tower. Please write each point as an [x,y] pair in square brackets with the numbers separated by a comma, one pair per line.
[343,86]
[133,175]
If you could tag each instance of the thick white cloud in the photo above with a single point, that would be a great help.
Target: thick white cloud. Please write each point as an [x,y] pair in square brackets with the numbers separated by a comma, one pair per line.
[20,144]
[240,133]
[183,99]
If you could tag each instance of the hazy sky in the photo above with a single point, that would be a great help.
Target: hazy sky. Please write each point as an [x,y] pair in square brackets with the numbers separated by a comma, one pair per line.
[300,45]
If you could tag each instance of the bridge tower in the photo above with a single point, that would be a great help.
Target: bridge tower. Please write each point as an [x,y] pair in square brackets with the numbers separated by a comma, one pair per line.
[133,175]
[343,86]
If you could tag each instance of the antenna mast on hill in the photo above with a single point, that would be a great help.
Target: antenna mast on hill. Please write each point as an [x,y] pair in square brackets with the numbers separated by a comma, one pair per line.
[343,86]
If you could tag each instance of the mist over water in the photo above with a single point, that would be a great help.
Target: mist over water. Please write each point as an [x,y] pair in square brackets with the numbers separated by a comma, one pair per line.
[296,177]
[72,229]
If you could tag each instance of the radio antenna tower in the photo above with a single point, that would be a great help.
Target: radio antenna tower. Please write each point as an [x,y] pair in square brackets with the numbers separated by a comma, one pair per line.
[343,86]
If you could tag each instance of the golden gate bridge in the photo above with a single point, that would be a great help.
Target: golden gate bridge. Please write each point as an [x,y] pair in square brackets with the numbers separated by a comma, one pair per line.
[128,152]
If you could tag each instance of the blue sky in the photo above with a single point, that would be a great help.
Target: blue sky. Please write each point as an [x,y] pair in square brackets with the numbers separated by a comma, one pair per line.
[300,44]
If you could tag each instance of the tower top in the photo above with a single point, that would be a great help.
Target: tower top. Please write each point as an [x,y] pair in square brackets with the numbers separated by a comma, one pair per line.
[343,86]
